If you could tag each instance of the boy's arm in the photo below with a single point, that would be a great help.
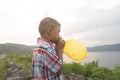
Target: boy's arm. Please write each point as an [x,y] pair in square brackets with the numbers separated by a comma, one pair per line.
[53,61]
[59,53]
[59,49]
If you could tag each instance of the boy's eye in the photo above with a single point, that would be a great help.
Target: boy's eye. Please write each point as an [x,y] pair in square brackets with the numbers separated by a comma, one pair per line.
[59,31]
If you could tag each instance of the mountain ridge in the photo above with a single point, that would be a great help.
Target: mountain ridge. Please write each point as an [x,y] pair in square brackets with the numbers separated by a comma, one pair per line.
[15,48]
[107,47]
[22,48]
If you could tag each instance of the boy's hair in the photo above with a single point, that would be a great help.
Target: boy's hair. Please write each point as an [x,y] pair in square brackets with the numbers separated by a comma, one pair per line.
[46,23]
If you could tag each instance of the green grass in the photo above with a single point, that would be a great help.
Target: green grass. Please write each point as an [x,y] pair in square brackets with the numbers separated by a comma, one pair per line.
[23,60]
[91,70]
[3,69]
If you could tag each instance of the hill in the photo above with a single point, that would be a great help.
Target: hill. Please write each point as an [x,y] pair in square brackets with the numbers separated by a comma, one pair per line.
[15,48]
[21,48]
[109,47]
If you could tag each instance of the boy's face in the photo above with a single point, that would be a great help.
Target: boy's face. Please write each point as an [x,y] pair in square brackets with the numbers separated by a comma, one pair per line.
[54,34]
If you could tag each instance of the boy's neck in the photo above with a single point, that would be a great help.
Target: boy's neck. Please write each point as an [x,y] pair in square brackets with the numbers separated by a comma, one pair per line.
[45,37]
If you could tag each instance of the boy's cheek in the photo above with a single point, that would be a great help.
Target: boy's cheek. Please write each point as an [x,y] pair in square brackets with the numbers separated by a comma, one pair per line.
[59,37]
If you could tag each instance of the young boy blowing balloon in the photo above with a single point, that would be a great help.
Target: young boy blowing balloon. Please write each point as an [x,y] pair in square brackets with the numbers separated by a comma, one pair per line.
[47,55]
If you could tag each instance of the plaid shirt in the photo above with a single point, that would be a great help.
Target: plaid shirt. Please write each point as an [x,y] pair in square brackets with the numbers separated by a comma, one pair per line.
[45,63]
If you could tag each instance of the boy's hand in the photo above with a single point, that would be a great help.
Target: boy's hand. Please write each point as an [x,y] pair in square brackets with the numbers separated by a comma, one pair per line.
[60,44]
[59,47]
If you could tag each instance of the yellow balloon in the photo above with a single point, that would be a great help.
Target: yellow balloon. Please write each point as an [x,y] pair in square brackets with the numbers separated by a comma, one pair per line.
[75,50]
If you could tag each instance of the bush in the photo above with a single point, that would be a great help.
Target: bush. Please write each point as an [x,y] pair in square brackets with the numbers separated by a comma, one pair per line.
[116,73]
[3,69]
[90,70]
[76,68]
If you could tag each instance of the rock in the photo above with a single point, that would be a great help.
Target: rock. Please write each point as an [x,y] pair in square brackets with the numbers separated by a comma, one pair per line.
[73,76]
[10,63]
[19,67]
[13,72]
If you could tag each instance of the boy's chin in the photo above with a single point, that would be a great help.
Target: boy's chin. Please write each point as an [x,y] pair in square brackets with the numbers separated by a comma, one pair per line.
[55,40]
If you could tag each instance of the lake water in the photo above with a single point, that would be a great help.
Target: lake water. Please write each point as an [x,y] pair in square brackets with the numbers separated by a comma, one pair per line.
[106,59]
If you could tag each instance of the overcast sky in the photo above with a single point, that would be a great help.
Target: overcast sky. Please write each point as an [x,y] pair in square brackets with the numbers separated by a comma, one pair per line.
[92,22]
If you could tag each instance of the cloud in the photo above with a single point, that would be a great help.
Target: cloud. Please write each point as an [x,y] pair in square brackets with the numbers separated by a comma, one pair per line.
[93,22]
[99,26]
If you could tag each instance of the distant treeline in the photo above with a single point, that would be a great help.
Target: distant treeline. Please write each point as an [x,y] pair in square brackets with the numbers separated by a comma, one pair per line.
[15,48]
[21,48]
[110,47]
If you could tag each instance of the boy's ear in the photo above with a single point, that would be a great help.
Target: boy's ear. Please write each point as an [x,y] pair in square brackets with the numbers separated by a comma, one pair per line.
[49,30]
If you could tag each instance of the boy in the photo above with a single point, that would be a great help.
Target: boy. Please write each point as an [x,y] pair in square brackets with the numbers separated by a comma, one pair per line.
[47,55]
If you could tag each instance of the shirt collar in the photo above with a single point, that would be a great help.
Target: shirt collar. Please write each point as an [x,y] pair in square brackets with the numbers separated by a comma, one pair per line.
[40,38]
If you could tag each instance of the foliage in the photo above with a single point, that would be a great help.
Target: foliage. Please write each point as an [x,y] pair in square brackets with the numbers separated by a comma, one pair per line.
[116,73]
[3,69]
[90,70]
[22,60]
[15,48]
[89,67]
[73,68]
[101,73]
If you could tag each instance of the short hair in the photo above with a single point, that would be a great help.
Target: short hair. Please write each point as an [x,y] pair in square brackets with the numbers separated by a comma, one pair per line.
[46,23]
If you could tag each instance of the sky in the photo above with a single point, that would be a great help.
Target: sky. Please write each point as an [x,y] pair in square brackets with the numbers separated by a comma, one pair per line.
[92,22]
